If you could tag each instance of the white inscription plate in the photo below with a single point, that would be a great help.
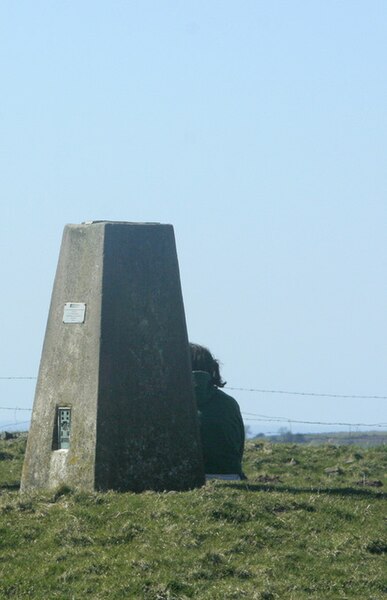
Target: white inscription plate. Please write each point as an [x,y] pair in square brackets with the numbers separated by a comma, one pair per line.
[74,312]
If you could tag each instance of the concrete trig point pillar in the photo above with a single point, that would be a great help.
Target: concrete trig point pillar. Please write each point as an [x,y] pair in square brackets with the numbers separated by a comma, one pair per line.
[114,405]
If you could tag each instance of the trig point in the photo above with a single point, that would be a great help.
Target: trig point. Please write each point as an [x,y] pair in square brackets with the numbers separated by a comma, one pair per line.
[114,405]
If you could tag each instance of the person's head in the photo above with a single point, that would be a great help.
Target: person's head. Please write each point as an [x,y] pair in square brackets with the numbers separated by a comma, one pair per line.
[202,360]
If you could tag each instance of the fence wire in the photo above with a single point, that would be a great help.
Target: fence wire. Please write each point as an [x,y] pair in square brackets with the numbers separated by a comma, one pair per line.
[248,416]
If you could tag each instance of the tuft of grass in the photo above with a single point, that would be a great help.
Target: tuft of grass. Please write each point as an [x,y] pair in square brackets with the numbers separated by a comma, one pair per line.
[11,462]
[300,527]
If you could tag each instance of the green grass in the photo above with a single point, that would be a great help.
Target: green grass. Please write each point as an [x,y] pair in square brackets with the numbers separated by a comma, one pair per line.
[310,523]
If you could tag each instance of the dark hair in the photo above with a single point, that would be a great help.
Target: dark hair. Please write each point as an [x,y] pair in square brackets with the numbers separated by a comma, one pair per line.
[202,360]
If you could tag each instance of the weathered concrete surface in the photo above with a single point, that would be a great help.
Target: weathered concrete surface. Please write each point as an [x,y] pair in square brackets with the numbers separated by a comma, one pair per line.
[124,372]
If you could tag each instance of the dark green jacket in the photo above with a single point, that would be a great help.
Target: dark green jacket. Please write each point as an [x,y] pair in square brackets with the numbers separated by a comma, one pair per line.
[221,427]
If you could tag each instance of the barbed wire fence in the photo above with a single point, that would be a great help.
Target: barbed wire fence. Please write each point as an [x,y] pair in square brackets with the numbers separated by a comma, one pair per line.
[250,417]
[254,417]
[15,409]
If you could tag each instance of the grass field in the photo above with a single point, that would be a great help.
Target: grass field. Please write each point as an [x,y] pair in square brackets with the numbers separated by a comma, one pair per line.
[310,522]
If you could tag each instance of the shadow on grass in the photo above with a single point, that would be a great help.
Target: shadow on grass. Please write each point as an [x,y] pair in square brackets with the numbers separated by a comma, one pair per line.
[9,486]
[334,491]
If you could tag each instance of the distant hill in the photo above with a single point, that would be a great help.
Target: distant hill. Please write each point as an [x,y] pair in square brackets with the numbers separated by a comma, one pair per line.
[359,438]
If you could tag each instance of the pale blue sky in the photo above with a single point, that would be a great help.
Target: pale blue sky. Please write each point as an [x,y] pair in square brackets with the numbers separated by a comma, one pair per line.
[259,130]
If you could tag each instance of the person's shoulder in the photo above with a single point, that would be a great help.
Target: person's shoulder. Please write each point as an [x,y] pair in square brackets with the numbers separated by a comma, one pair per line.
[226,398]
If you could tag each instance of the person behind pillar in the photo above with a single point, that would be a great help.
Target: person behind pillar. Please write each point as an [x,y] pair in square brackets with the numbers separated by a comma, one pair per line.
[221,425]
